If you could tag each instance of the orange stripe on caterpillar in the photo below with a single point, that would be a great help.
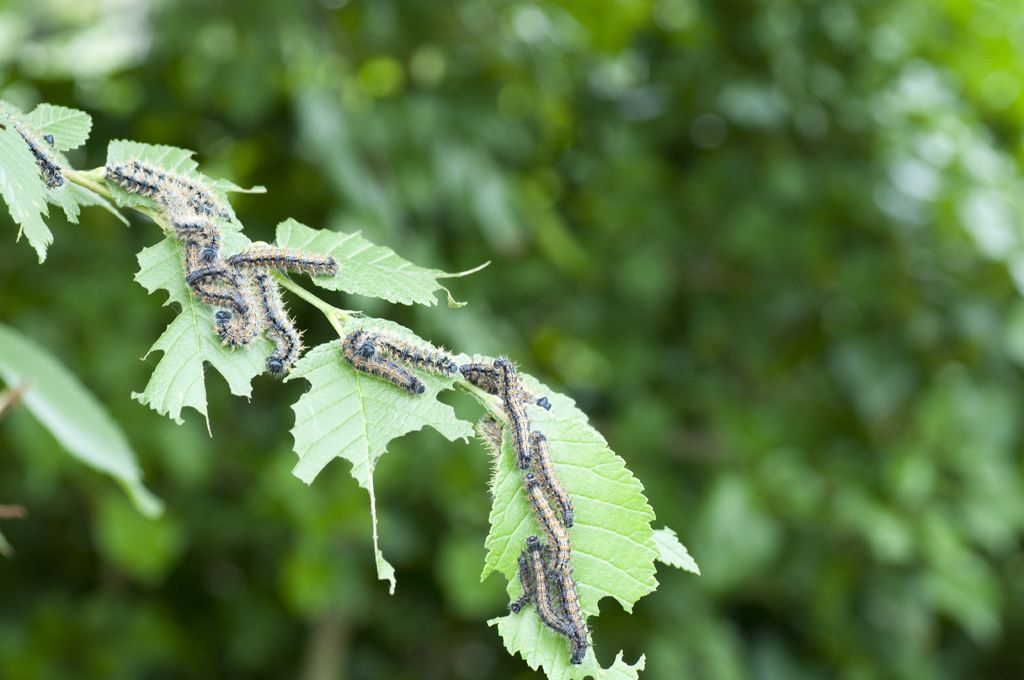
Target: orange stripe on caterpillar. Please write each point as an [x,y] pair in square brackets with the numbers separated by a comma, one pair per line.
[576,627]
[558,537]
[355,353]
[542,463]
[272,257]
[541,589]
[518,421]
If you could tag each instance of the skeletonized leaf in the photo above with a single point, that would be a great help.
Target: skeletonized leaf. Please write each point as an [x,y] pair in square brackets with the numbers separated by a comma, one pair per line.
[672,552]
[23,190]
[73,415]
[612,540]
[70,128]
[352,415]
[190,340]
[365,268]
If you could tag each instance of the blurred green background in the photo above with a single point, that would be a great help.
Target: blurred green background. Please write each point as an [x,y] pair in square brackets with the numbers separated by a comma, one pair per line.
[774,249]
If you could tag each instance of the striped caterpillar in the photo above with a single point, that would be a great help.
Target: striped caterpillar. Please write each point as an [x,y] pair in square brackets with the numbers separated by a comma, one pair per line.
[360,354]
[272,257]
[542,462]
[536,588]
[517,418]
[170,189]
[429,359]
[46,160]
[487,378]
[576,623]
[558,537]
[278,325]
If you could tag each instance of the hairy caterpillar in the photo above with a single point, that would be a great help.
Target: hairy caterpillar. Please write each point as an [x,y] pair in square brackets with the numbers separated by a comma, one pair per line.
[239,329]
[172,190]
[489,430]
[49,167]
[355,352]
[486,377]
[387,346]
[278,325]
[272,257]
[525,579]
[429,359]
[517,419]
[540,588]
[558,538]
[542,460]
[576,622]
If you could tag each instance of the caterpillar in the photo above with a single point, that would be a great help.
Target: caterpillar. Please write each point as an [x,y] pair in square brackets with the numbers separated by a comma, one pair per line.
[354,353]
[429,359]
[272,257]
[558,538]
[517,419]
[239,329]
[540,589]
[486,378]
[278,325]
[48,165]
[525,580]
[576,623]
[172,190]
[489,430]
[387,346]
[542,461]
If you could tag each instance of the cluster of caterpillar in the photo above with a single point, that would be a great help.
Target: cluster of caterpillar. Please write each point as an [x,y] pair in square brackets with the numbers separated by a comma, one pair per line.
[241,287]
[387,357]
[545,570]
[41,147]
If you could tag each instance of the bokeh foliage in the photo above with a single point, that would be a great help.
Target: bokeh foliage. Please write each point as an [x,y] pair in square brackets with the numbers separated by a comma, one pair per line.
[773,249]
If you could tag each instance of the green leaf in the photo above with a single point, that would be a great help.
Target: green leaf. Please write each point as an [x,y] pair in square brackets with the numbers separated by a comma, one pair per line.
[367,269]
[23,190]
[351,415]
[71,197]
[612,540]
[73,415]
[5,547]
[672,552]
[190,340]
[70,128]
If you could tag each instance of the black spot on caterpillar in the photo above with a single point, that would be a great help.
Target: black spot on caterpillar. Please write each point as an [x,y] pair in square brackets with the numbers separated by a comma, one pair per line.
[542,461]
[278,325]
[486,377]
[355,353]
[272,257]
[540,588]
[509,389]
[576,623]
[49,139]
[558,538]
